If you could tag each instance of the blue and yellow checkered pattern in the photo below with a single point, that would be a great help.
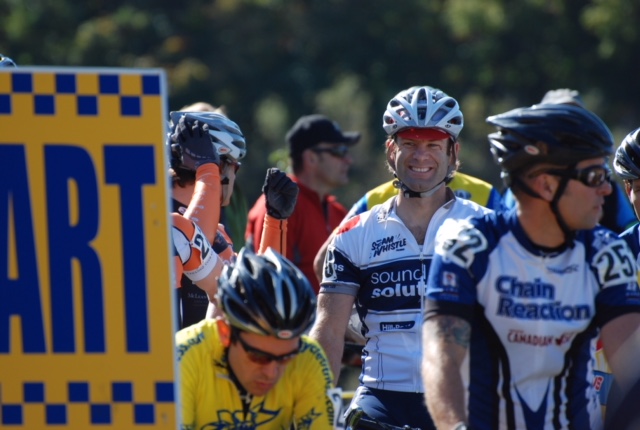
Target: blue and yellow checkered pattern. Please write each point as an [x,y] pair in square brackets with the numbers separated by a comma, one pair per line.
[91,297]
[87,91]
[78,393]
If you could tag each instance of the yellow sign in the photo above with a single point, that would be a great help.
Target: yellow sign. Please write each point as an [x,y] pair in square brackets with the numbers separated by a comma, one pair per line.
[86,301]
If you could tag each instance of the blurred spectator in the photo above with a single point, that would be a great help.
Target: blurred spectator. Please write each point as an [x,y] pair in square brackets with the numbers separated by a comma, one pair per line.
[319,152]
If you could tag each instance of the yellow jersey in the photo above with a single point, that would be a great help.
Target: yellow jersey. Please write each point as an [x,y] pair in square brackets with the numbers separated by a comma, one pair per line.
[209,398]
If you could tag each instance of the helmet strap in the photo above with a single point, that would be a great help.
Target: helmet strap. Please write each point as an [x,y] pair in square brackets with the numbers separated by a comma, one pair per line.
[409,193]
[519,183]
[569,235]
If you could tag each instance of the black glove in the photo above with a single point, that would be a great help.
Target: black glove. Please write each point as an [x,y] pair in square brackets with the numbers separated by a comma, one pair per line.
[195,143]
[281,194]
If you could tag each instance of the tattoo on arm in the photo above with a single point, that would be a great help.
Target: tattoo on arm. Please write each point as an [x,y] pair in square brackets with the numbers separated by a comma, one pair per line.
[454,330]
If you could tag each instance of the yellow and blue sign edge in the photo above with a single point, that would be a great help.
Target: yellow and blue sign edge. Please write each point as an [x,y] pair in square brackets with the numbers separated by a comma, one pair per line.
[86,300]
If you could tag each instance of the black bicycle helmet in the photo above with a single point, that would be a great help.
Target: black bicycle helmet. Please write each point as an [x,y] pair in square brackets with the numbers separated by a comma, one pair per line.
[6,62]
[267,295]
[627,160]
[557,134]
[225,135]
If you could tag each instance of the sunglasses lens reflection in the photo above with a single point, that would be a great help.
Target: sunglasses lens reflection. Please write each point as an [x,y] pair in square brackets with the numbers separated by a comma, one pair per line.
[339,151]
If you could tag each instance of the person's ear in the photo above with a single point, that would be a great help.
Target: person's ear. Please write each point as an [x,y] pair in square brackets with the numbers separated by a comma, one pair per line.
[224,331]
[391,153]
[456,149]
[628,186]
[545,185]
[309,158]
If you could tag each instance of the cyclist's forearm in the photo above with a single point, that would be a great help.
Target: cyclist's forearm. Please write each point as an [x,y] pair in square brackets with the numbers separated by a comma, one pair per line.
[330,326]
[442,357]
[333,345]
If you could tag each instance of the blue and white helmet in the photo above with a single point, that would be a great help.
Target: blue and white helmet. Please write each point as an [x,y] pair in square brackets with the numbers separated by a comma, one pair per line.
[423,107]
[627,160]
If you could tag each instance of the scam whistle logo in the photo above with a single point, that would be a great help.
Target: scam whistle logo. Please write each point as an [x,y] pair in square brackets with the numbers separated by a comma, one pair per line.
[387,244]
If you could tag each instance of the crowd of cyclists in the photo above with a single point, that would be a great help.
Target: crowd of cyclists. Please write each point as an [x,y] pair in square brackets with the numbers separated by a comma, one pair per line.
[471,313]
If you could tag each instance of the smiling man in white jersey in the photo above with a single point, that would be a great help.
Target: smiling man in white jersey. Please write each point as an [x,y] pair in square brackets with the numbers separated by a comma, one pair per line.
[379,259]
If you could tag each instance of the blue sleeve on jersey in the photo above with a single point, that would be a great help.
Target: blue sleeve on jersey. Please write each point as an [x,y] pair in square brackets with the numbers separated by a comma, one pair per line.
[450,291]
[459,254]
[615,301]
[614,264]
[339,270]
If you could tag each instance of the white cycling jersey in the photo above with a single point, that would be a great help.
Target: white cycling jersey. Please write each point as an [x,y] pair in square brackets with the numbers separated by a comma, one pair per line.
[375,258]
[535,317]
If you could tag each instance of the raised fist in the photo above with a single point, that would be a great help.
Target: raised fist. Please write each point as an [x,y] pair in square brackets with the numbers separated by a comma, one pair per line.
[281,194]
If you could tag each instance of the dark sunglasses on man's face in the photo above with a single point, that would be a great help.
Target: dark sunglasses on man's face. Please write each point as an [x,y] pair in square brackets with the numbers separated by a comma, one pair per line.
[258,356]
[339,151]
[593,176]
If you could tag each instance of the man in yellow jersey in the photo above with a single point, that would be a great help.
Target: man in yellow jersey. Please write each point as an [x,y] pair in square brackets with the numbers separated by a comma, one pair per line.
[254,368]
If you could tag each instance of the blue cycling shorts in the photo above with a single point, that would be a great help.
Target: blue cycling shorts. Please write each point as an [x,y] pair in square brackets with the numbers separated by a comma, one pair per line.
[397,408]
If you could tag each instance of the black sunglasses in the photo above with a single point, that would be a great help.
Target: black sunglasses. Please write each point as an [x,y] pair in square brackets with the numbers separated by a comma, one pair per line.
[261,357]
[339,151]
[593,176]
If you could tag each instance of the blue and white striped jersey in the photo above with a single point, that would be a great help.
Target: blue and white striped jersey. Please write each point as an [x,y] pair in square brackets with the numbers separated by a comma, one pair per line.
[535,318]
[375,257]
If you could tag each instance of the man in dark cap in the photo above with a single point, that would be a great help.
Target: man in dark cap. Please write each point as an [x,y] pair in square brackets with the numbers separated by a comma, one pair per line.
[320,158]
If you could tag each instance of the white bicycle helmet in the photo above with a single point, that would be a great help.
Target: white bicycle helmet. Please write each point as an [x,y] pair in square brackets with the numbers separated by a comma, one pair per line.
[423,107]
[225,134]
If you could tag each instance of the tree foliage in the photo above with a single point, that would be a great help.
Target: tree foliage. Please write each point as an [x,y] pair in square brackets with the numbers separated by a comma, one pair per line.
[271,61]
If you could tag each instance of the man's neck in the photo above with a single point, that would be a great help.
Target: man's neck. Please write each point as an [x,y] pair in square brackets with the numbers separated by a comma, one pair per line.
[540,225]
[183,195]
[310,181]
[416,213]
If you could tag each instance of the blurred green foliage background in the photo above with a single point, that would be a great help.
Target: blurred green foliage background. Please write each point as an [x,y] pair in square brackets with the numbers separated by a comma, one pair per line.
[270,61]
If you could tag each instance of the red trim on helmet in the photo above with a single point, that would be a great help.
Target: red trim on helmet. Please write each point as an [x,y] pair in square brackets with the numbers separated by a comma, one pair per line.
[423,134]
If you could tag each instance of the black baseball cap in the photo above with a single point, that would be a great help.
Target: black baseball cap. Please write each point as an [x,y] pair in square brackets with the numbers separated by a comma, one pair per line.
[310,130]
